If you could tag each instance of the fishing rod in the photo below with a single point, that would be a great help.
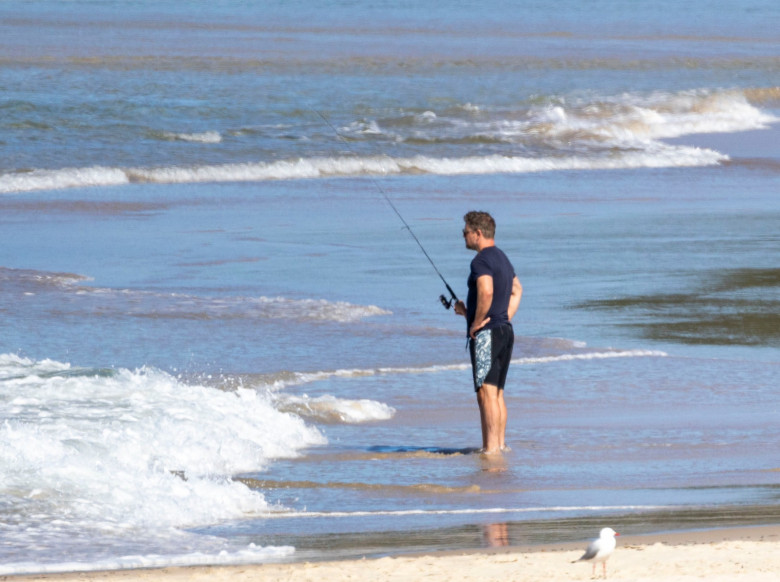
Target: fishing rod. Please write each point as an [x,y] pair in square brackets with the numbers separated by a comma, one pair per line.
[446,302]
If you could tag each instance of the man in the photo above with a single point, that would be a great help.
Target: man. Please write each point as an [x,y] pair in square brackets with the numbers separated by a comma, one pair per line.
[493,298]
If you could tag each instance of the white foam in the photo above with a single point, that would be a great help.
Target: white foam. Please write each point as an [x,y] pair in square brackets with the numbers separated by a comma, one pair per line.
[665,156]
[61,179]
[252,554]
[613,132]
[471,108]
[177,305]
[203,137]
[149,303]
[303,168]
[364,128]
[592,356]
[635,120]
[330,409]
[311,309]
[693,112]
[130,453]
[13,366]
[302,378]
[472,511]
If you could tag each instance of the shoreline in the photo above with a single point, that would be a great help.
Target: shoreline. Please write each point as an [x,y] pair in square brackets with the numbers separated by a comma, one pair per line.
[745,552]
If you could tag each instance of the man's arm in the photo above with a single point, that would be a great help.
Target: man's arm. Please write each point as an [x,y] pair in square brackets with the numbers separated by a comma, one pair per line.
[514,298]
[484,301]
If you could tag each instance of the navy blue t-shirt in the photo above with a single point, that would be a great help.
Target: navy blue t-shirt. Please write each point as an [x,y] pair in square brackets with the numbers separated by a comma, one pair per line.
[491,261]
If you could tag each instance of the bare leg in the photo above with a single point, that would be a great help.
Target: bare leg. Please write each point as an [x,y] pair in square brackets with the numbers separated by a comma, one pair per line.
[490,414]
[482,421]
[502,420]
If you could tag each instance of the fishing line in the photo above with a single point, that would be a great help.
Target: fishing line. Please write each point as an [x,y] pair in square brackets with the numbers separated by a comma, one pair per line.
[447,303]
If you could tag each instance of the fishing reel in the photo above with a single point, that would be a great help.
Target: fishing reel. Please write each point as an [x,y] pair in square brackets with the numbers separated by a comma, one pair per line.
[448,303]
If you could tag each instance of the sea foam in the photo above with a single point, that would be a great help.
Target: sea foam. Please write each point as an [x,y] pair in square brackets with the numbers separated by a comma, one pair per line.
[283,380]
[139,303]
[204,137]
[329,409]
[131,454]
[591,133]
[312,168]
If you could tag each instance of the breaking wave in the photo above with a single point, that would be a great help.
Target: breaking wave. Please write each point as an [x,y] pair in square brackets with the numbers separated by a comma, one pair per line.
[558,134]
[203,137]
[666,156]
[137,455]
[329,409]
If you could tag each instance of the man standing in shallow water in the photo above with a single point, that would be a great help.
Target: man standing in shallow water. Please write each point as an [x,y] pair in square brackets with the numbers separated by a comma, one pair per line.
[493,298]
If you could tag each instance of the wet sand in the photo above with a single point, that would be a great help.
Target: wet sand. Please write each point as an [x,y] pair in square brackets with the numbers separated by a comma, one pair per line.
[745,553]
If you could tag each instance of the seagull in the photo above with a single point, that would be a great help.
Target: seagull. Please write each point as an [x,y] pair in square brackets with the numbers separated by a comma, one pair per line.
[600,549]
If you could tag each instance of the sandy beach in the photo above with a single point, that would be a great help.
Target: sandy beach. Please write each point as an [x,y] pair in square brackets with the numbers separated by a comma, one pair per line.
[751,553]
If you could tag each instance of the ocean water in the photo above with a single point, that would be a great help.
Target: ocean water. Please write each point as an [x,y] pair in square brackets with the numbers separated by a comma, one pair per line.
[219,343]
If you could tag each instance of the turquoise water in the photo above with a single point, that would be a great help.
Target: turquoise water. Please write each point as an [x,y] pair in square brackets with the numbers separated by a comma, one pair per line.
[221,345]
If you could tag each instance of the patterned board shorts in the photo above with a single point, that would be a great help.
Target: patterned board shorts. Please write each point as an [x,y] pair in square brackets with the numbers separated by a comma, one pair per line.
[491,353]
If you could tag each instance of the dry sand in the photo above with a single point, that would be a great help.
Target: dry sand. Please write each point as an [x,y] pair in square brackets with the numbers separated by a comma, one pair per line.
[750,554]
